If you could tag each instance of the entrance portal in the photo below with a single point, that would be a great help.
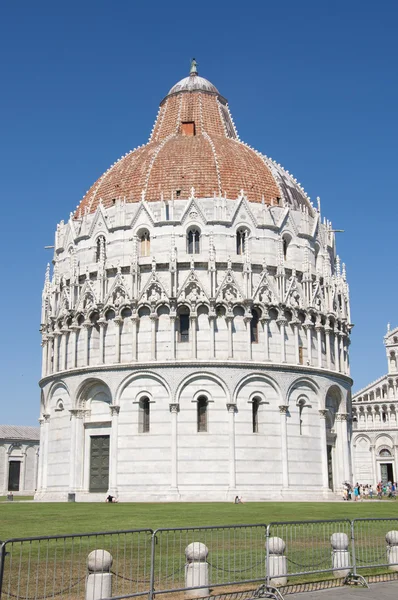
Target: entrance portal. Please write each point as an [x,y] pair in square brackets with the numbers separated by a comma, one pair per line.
[99,463]
[387,472]
[330,467]
[14,472]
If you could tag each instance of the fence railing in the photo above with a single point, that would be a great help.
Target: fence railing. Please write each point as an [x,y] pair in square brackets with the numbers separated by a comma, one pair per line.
[144,562]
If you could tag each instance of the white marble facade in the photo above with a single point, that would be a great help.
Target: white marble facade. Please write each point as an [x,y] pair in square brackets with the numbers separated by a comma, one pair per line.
[209,339]
[375,426]
[19,458]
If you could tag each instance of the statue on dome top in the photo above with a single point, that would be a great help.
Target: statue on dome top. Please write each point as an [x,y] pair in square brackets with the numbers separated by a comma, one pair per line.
[194,70]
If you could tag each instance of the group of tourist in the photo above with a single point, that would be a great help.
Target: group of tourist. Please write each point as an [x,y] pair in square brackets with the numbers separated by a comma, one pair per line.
[360,491]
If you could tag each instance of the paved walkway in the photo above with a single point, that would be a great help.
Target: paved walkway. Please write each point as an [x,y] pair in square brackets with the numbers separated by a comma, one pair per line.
[381,591]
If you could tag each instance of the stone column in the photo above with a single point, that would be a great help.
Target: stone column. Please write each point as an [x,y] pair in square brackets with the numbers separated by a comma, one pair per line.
[232,463]
[40,468]
[113,450]
[374,470]
[396,461]
[308,328]
[327,343]
[296,324]
[318,329]
[282,325]
[284,449]
[229,319]
[50,340]
[46,428]
[341,351]
[72,453]
[57,339]
[342,439]
[212,319]
[336,350]
[64,354]
[174,408]
[118,325]
[102,323]
[193,322]
[265,320]
[44,359]
[75,332]
[79,449]
[173,317]
[86,342]
[247,319]
[154,318]
[324,450]
[134,319]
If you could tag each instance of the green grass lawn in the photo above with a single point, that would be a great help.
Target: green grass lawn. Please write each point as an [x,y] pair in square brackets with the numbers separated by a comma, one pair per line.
[18,519]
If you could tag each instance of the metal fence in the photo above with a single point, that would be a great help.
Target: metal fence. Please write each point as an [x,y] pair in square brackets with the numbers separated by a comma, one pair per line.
[143,562]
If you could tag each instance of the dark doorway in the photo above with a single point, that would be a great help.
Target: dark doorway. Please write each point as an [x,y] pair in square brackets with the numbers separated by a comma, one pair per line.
[387,473]
[330,467]
[14,472]
[99,463]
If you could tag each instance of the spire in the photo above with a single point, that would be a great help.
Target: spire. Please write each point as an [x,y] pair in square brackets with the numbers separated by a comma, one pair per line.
[194,70]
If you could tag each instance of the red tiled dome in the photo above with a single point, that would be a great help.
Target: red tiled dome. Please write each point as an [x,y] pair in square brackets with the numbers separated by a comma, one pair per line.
[194,144]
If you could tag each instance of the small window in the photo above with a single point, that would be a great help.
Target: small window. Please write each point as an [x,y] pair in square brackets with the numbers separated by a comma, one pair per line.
[255,406]
[202,413]
[145,243]
[384,417]
[100,249]
[254,327]
[178,193]
[188,128]
[301,355]
[193,241]
[144,420]
[183,325]
[242,237]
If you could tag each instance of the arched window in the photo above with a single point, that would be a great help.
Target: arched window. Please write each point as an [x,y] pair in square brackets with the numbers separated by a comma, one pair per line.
[183,324]
[254,327]
[144,416]
[303,416]
[255,406]
[384,452]
[145,243]
[193,241]
[202,404]
[285,245]
[242,239]
[301,353]
[100,251]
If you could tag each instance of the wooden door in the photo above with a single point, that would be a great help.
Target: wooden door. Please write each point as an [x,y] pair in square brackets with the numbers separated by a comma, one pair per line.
[99,463]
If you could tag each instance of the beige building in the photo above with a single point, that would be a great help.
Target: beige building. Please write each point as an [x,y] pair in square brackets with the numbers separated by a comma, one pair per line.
[19,456]
[375,426]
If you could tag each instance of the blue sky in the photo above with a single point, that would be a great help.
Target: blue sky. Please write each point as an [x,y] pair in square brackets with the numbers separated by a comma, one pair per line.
[311,84]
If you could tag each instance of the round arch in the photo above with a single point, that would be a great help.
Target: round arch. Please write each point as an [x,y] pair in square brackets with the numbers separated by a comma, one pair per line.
[264,378]
[202,375]
[56,385]
[130,378]
[85,387]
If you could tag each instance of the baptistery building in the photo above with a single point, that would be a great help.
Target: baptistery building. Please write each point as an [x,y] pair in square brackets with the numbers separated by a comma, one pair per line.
[195,325]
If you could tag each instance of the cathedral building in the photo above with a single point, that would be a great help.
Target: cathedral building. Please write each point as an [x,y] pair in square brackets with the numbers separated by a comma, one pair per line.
[375,426]
[195,325]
